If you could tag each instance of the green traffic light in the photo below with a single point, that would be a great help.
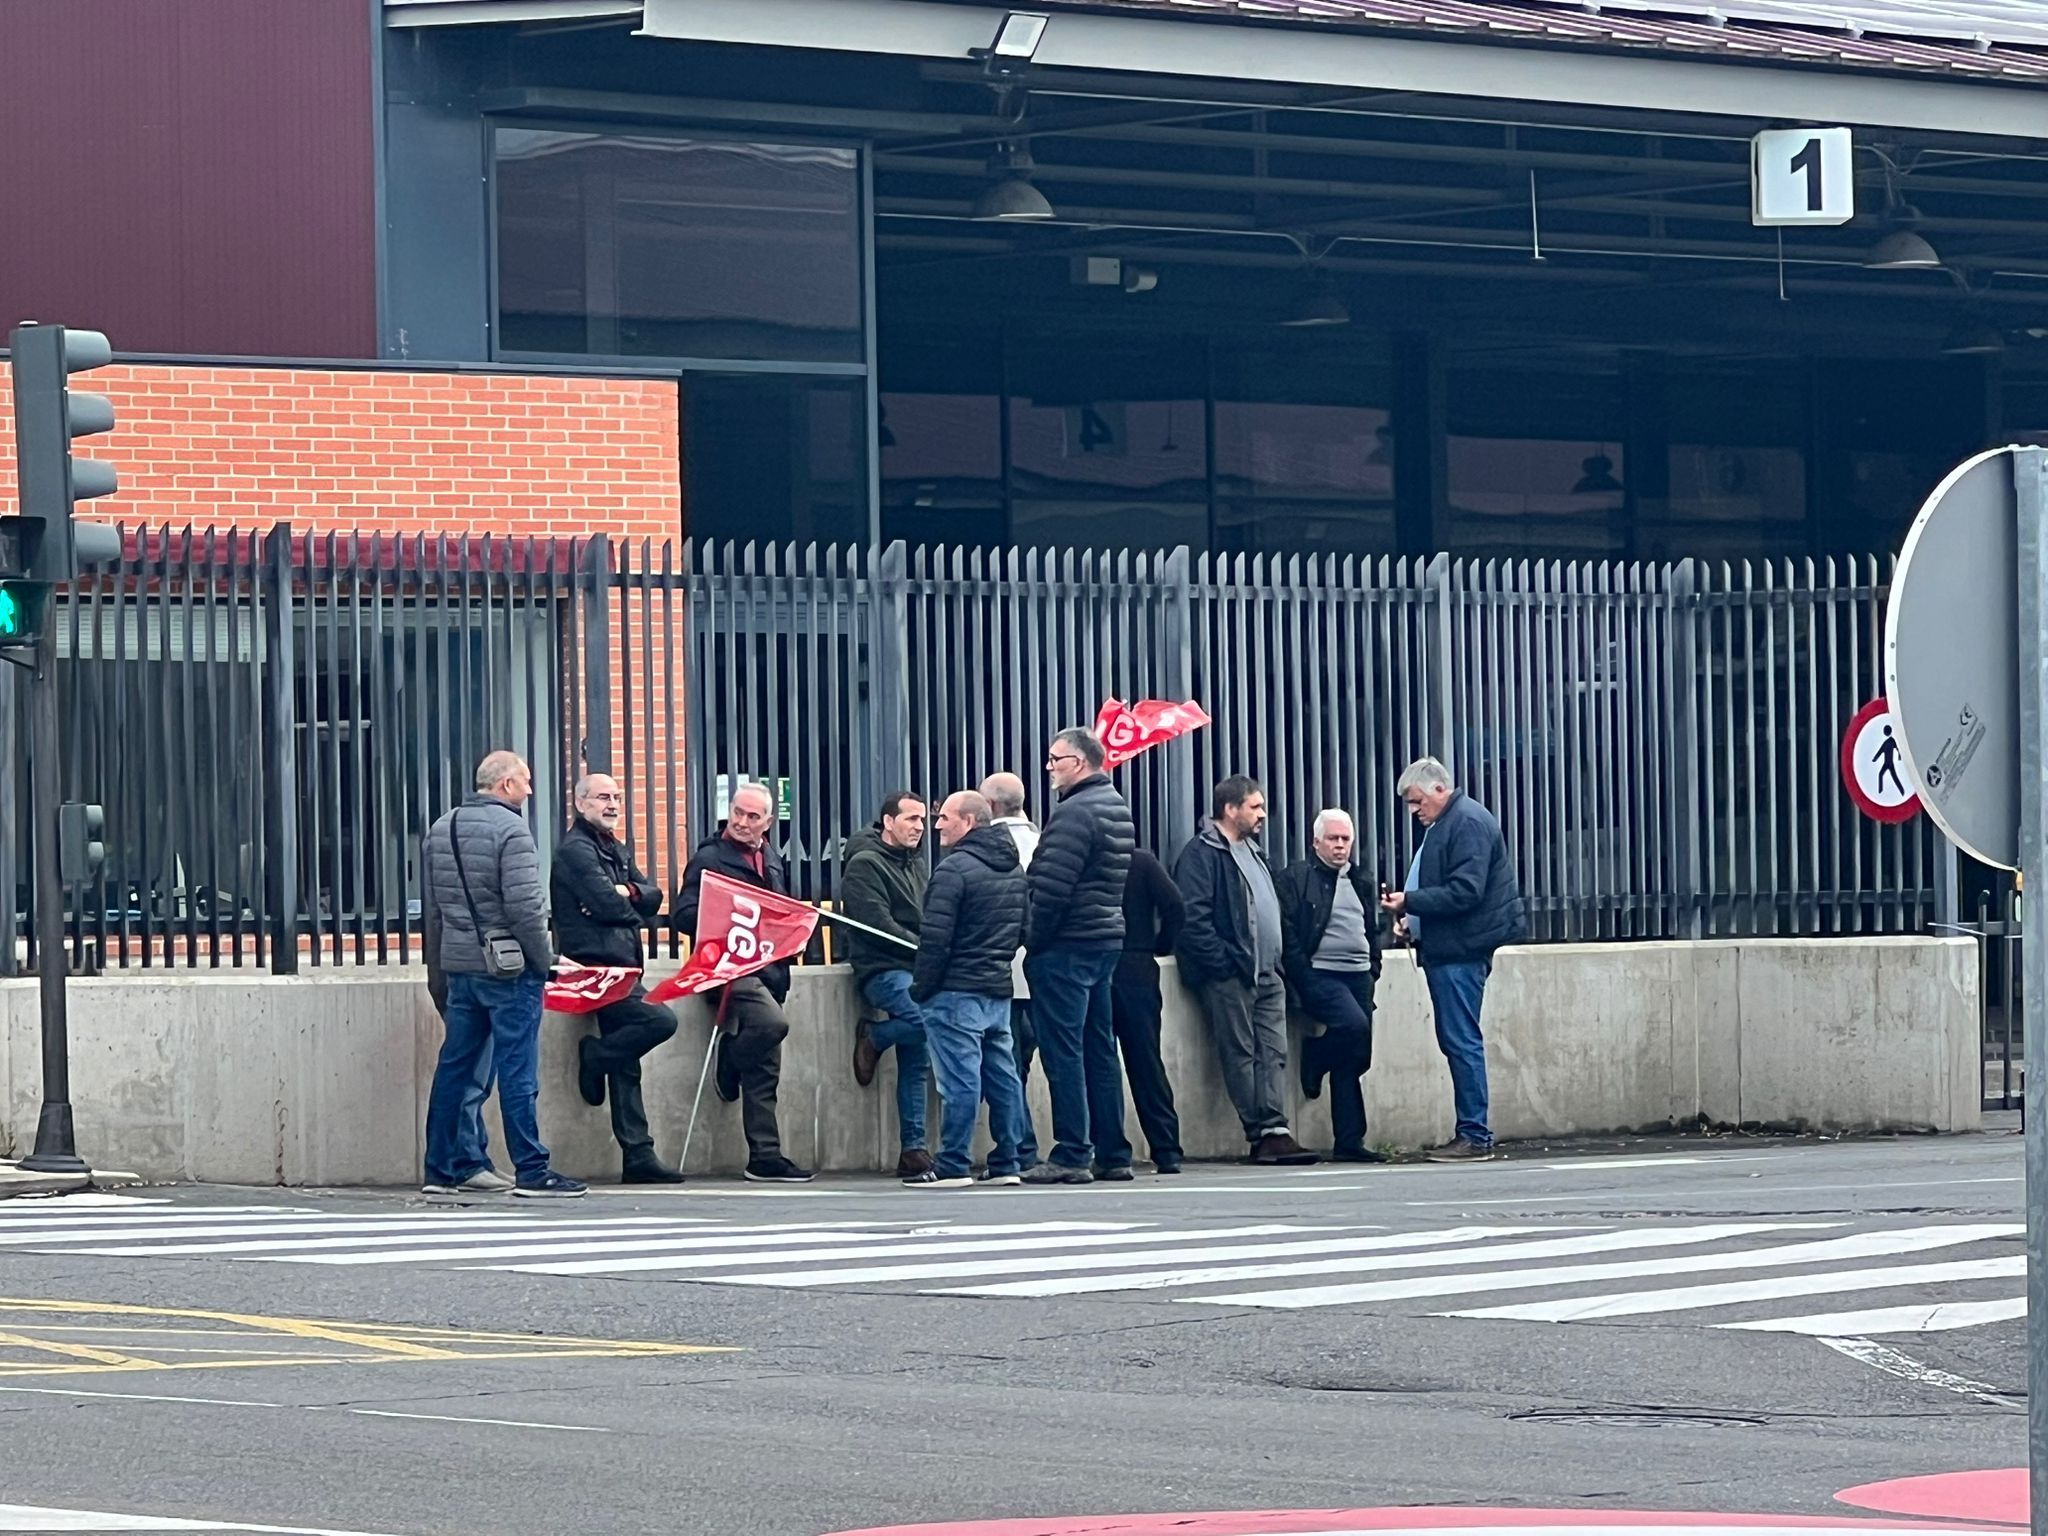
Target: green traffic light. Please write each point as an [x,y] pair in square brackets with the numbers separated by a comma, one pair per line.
[10,614]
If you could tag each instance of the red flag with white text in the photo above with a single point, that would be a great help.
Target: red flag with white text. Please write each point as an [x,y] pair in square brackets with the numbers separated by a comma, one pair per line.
[740,929]
[1126,730]
[576,988]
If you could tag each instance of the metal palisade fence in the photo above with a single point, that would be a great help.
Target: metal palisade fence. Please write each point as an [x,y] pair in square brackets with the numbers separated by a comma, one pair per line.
[272,720]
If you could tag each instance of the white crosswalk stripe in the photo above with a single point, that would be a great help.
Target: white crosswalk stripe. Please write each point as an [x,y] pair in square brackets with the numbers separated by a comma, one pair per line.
[1570,1273]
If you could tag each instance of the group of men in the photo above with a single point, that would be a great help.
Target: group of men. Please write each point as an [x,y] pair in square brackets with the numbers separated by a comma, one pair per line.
[1020,942]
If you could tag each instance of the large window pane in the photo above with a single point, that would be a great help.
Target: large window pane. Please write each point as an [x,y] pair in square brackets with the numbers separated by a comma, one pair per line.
[1535,463]
[941,435]
[775,457]
[631,245]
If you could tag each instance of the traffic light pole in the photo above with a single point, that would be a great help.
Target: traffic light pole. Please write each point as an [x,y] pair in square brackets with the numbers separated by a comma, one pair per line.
[56,1139]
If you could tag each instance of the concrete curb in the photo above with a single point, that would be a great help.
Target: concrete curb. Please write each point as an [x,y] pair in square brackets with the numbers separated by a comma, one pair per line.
[14,1182]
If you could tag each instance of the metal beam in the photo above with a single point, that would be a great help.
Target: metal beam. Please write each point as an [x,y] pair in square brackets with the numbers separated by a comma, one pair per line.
[1326,55]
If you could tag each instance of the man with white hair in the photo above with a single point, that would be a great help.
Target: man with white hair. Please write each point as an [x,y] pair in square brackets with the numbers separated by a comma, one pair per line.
[1330,954]
[1459,904]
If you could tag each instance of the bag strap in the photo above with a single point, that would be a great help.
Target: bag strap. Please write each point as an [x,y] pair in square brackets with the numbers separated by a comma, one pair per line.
[455,845]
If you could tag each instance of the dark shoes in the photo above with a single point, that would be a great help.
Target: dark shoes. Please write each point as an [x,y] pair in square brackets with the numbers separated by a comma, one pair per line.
[589,1075]
[866,1057]
[1312,1070]
[931,1178]
[549,1186]
[650,1170]
[777,1170]
[727,1072]
[1279,1149]
[914,1164]
[1166,1165]
[1105,1174]
[1461,1151]
[1053,1173]
[1357,1155]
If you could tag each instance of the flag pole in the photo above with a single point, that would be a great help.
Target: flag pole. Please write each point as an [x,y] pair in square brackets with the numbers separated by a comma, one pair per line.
[879,933]
[717,1028]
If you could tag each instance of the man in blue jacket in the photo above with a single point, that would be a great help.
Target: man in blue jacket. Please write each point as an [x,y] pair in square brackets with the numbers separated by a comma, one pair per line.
[1460,904]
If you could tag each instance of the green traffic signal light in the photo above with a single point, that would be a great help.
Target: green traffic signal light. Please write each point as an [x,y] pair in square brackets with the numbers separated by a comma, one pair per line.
[22,604]
[10,616]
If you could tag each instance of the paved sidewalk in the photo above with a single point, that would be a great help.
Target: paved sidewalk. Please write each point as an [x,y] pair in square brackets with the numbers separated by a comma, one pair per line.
[13,1181]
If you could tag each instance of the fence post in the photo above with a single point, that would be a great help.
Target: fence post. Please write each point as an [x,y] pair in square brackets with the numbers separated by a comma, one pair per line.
[1682,719]
[1177,673]
[596,580]
[280,751]
[1440,665]
[889,672]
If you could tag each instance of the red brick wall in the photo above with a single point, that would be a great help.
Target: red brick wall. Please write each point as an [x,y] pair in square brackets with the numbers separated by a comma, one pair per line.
[400,452]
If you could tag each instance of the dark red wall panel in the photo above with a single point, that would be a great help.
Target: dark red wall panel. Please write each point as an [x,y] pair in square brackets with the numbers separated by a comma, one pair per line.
[191,176]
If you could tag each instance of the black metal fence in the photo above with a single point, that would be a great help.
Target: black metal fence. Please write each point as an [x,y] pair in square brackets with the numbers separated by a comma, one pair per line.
[273,720]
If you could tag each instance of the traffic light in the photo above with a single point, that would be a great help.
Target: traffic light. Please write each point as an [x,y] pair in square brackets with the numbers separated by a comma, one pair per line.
[48,544]
[22,604]
[81,841]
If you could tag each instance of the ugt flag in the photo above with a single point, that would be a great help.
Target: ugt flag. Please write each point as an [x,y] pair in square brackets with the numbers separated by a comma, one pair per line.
[740,929]
[574,988]
[1125,730]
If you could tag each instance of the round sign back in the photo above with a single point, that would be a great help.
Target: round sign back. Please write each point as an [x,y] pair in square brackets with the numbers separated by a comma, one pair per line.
[1873,766]
[1952,658]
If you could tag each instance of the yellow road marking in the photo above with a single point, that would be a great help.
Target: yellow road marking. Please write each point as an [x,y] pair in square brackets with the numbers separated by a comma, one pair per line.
[75,1351]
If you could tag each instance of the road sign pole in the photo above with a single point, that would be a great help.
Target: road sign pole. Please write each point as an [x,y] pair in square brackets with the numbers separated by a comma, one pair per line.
[56,1140]
[2030,495]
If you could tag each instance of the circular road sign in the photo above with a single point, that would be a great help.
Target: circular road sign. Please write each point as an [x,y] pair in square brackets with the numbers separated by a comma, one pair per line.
[1873,766]
[1951,658]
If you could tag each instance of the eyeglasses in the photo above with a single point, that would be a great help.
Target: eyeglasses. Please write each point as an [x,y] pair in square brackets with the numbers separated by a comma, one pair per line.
[606,799]
[1057,758]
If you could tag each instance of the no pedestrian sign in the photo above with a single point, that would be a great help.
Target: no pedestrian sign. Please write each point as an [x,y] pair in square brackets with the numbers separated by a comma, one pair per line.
[1874,766]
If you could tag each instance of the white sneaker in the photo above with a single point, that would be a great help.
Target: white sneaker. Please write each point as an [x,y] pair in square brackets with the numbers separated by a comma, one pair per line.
[930,1179]
[487,1181]
[439,1189]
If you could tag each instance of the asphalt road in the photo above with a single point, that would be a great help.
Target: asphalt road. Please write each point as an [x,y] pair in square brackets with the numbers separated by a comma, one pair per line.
[780,1361]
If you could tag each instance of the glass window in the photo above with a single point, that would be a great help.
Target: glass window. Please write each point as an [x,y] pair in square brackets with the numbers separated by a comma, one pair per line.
[775,457]
[1738,467]
[1535,463]
[1304,449]
[622,245]
[941,437]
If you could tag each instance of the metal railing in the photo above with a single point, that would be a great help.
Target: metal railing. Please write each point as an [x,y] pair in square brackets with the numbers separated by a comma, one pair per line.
[272,720]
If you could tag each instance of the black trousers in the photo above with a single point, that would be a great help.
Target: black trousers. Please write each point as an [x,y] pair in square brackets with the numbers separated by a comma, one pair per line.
[755,1051]
[627,1031]
[1024,1040]
[1134,1006]
[1342,1002]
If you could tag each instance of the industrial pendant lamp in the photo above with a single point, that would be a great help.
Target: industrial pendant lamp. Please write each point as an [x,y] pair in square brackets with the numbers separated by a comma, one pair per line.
[1902,248]
[1973,339]
[1320,304]
[1009,196]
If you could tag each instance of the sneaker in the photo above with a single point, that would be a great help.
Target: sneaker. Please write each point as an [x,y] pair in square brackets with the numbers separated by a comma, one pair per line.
[1166,1165]
[931,1178]
[1461,1151]
[1053,1173]
[866,1057]
[728,1072]
[1117,1175]
[1001,1180]
[589,1074]
[1357,1155]
[431,1188]
[1279,1149]
[913,1162]
[486,1181]
[549,1186]
[777,1170]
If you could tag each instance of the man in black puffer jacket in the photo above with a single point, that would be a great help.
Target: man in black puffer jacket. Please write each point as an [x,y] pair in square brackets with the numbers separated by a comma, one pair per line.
[973,919]
[1076,936]
[600,900]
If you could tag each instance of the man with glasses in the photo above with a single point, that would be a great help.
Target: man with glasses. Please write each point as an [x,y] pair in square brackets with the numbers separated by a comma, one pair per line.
[1074,940]
[601,900]
[750,1010]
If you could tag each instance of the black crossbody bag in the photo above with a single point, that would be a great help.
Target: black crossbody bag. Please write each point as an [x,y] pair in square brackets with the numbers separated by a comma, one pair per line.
[504,960]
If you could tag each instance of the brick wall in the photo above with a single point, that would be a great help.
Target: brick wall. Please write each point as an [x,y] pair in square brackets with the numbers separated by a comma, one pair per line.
[400,452]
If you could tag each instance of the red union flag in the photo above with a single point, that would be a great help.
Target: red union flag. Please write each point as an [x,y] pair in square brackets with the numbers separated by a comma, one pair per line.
[575,988]
[1128,729]
[740,929]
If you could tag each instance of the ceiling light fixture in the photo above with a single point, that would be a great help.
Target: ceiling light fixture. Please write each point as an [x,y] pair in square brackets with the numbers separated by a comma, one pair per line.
[1010,197]
[1902,248]
[1019,36]
[1973,339]
[1320,304]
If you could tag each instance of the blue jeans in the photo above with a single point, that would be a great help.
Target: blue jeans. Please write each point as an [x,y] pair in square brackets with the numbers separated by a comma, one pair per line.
[1070,1011]
[904,1029]
[973,1060]
[473,1151]
[1456,993]
[501,1020]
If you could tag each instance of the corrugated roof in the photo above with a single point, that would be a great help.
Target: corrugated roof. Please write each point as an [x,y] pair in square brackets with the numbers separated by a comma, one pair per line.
[1982,39]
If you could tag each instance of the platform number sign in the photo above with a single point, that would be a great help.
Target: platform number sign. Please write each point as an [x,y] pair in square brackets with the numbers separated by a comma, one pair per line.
[1802,176]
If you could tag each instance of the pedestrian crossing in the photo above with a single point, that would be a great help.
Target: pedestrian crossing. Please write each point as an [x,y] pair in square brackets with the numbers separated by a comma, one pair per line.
[1822,1278]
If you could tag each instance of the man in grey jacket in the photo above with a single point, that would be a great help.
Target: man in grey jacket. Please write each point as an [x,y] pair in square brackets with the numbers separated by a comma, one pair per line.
[482,879]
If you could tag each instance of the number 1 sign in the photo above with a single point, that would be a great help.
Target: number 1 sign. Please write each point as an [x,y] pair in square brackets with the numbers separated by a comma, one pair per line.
[1802,176]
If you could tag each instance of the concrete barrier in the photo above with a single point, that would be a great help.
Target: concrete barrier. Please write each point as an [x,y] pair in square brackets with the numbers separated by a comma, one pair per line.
[321,1079]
